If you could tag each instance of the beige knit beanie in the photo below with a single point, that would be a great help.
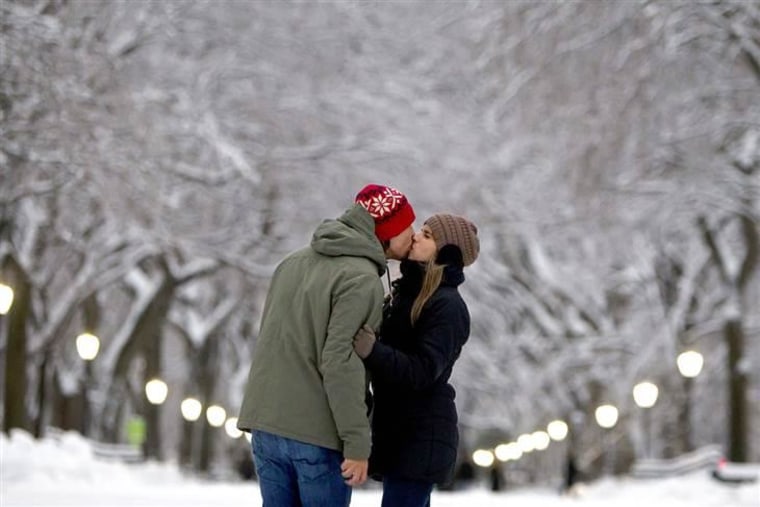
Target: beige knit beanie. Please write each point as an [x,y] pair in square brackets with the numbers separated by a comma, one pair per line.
[453,230]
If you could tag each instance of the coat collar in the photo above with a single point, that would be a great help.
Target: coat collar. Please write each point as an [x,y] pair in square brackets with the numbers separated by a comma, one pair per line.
[413,272]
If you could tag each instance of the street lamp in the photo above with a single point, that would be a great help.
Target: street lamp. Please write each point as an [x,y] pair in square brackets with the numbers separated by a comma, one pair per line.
[483,458]
[231,428]
[607,417]
[156,390]
[645,395]
[191,409]
[6,298]
[525,442]
[689,365]
[557,430]
[541,440]
[88,346]
[508,452]
[216,415]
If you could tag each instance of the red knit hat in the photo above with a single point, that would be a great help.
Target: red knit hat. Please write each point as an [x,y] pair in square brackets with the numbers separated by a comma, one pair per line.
[388,207]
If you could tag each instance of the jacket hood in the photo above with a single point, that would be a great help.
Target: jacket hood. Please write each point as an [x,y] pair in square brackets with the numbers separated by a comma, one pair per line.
[353,234]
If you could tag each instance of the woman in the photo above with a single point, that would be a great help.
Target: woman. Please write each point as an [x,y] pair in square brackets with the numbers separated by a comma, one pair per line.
[425,325]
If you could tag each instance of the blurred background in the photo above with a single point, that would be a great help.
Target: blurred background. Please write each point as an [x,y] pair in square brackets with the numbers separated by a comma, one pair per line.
[157,158]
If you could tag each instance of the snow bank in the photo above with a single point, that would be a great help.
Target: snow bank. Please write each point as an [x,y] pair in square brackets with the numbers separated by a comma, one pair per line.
[64,471]
[69,458]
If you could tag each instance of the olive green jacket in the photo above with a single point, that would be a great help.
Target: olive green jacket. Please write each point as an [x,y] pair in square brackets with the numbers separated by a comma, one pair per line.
[306,382]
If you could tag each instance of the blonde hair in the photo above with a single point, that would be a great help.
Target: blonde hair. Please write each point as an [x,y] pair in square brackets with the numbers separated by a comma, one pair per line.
[430,282]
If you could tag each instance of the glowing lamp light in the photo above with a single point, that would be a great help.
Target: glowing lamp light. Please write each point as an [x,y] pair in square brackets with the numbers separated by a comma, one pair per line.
[502,452]
[216,415]
[191,409]
[6,299]
[525,442]
[483,458]
[508,452]
[645,394]
[690,363]
[606,416]
[88,346]
[247,436]
[156,390]
[541,440]
[557,430]
[231,428]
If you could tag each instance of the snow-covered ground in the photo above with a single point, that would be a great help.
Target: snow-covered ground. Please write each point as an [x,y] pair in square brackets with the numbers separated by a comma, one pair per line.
[64,472]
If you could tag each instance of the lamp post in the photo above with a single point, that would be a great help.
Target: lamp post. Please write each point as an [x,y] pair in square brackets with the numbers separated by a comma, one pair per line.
[88,346]
[156,392]
[558,431]
[485,459]
[607,417]
[191,409]
[689,365]
[645,395]
[6,301]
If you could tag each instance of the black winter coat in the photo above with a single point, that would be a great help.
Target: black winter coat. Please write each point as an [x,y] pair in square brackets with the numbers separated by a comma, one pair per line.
[414,419]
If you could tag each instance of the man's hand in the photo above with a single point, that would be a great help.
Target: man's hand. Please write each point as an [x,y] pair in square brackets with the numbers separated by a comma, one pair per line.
[354,471]
[364,341]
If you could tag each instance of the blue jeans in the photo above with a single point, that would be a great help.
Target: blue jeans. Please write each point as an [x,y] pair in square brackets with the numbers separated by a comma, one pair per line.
[296,474]
[405,493]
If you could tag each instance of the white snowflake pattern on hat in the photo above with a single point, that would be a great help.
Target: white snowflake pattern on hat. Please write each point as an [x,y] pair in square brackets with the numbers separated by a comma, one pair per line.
[383,204]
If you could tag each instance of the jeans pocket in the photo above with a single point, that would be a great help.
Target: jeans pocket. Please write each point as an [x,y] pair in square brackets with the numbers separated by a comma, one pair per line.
[266,470]
[313,471]
[314,462]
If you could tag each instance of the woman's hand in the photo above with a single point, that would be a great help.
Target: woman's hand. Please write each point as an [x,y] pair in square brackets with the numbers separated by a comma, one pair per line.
[364,341]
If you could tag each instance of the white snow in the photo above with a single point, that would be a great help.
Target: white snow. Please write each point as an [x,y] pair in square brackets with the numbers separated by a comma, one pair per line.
[65,472]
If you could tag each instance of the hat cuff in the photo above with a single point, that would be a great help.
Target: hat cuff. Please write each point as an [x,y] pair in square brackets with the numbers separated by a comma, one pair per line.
[395,224]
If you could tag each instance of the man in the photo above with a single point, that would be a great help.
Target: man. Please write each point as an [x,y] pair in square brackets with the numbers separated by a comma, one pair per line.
[305,397]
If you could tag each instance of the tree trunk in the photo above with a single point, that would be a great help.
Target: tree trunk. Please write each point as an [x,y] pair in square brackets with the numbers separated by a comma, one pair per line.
[15,415]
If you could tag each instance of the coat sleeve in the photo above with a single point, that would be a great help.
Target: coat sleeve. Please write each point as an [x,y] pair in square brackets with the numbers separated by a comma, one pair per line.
[357,301]
[442,328]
